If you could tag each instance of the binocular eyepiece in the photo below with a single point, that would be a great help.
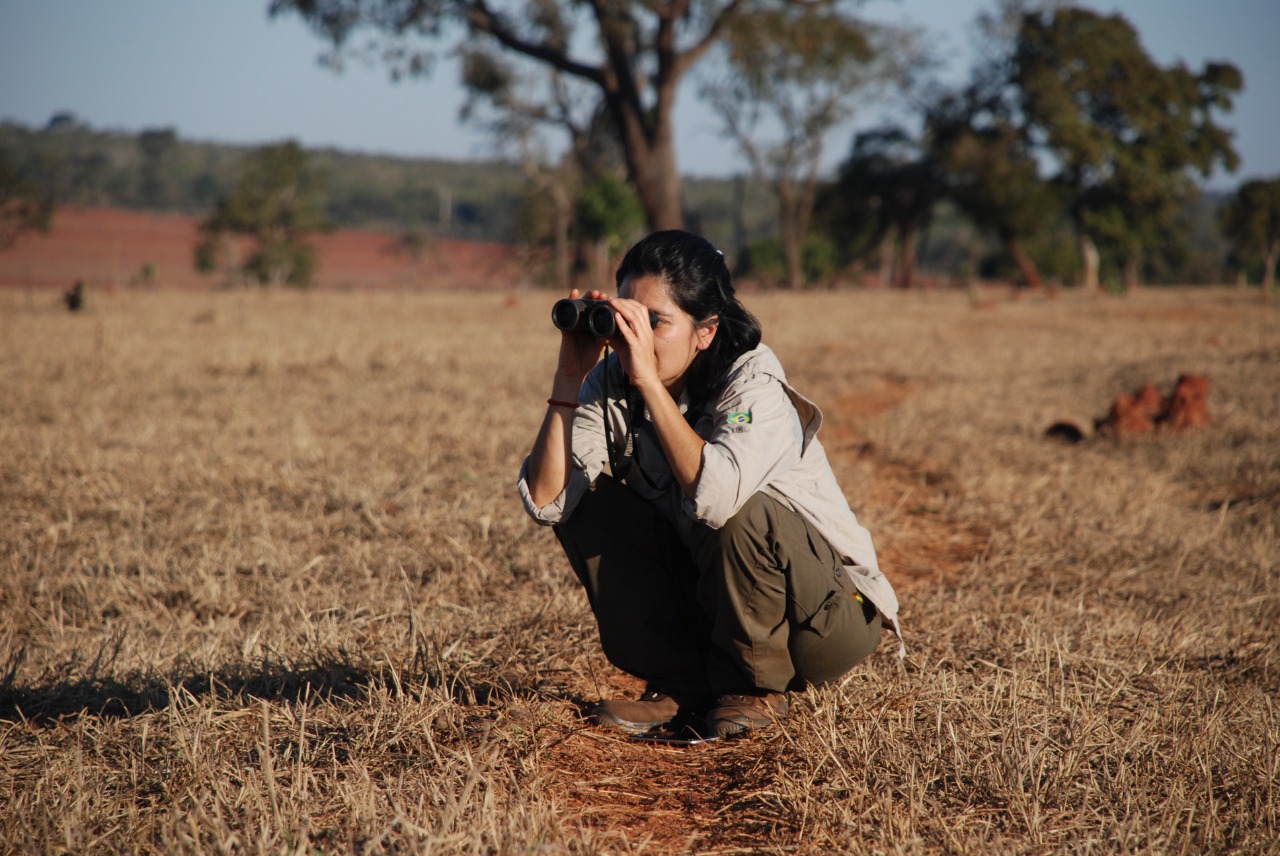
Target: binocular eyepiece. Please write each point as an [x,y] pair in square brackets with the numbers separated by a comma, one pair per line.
[593,317]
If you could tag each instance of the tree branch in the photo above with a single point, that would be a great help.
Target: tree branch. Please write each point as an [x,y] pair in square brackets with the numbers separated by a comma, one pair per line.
[480,17]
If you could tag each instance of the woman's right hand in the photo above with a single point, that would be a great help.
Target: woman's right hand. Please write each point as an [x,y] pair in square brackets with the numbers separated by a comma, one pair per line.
[578,353]
[550,460]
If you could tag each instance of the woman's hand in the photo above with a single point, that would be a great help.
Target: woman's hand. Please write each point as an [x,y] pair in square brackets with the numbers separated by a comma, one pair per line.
[550,459]
[634,341]
[578,354]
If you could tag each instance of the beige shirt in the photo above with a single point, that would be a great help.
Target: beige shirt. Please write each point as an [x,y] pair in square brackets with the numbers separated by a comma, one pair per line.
[761,435]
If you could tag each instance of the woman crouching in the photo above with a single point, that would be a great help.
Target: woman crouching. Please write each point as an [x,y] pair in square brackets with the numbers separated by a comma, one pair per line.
[685,481]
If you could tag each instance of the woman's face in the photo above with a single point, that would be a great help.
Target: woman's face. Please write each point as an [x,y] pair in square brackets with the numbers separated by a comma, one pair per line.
[677,340]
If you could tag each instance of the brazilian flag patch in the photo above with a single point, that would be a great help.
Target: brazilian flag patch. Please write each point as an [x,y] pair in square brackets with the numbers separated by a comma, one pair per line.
[740,418]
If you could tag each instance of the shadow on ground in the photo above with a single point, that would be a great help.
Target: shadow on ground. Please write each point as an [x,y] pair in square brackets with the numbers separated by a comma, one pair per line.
[80,687]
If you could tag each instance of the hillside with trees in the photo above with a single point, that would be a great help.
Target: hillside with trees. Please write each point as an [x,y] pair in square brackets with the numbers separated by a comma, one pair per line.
[70,163]
[157,170]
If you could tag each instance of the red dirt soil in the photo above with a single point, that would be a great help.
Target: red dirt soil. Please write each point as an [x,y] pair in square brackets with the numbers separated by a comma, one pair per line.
[109,248]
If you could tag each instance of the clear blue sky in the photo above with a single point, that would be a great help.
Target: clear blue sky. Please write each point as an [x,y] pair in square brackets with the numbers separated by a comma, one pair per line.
[221,70]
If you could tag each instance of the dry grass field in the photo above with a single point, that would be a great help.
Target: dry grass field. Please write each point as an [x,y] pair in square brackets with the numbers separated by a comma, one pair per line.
[266,587]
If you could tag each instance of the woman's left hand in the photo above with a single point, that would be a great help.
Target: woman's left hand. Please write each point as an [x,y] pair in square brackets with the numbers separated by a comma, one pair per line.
[635,350]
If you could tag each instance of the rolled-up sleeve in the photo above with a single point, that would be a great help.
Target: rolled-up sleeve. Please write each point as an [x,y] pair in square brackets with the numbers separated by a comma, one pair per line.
[558,508]
[756,435]
[589,456]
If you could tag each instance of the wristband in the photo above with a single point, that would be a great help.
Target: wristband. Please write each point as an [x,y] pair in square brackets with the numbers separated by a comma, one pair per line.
[572,405]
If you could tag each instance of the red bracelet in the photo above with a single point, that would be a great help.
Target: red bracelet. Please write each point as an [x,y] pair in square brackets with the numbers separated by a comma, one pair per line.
[572,405]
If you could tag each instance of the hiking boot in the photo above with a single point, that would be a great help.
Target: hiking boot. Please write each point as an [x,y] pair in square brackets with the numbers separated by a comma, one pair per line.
[653,709]
[737,713]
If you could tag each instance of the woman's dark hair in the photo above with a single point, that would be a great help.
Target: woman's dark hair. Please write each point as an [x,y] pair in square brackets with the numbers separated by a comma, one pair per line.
[699,283]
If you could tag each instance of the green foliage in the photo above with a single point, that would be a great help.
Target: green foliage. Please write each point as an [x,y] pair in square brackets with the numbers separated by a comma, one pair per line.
[992,175]
[23,206]
[75,165]
[471,200]
[609,211]
[799,68]
[68,163]
[158,147]
[145,277]
[819,259]
[154,170]
[1126,133]
[729,212]
[1251,218]
[1075,91]
[475,200]
[888,188]
[765,261]
[278,204]
[1251,221]
[1051,248]
[805,49]
[281,259]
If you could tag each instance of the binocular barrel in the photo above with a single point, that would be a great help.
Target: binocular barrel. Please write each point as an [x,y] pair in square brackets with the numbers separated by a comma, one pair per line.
[593,317]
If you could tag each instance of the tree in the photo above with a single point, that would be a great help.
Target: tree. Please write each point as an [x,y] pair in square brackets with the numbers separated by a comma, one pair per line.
[990,171]
[1125,133]
[798,68]
[278,204]
[883,199]
[608,218]
[633,55]
[23,206]
[1251,221]
[996,183]
[158,146]
[514,108]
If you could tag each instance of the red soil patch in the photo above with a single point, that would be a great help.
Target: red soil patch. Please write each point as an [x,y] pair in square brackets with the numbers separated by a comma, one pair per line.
[668,799]
[109,248]
[928,541]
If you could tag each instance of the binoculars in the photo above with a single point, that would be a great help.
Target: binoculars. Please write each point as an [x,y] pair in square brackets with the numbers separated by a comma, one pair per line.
[593,317]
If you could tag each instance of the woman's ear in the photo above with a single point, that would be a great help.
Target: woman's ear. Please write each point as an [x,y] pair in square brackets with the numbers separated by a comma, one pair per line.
[707,332]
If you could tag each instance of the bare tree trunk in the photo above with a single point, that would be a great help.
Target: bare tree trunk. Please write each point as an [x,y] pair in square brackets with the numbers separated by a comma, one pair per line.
[739,212]
[553,182]
[560,200]
[795,267]
[600,268]
[1030,273]
[1269,269]
[648,146]
[582,274]
[905,272]
[658,185]
[790,227]
[1088,263]
[1132,273]
[887,243]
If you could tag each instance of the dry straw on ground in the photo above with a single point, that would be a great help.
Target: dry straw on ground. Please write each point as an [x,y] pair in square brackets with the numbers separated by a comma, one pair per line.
[265,587]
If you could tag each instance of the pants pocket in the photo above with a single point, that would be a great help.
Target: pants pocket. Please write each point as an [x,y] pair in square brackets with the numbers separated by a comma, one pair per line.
[843,595]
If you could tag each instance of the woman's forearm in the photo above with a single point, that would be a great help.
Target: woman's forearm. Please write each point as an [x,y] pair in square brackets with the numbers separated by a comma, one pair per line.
[680,443]
[552,453]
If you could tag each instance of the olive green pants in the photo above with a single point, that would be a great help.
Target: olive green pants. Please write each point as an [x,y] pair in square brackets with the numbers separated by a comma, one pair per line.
[762,603]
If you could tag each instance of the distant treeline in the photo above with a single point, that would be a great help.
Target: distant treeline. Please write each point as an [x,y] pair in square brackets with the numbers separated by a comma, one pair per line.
[157,170]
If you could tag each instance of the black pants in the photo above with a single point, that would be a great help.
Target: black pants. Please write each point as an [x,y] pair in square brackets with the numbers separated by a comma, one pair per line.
[762,603]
